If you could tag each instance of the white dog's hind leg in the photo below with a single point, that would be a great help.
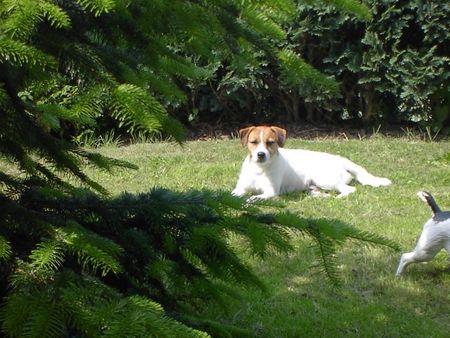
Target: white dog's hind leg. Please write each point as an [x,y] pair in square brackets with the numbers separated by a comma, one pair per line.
[447,248]
[418,255]
[344,190]
[375,181]
[405,260]
[363,176]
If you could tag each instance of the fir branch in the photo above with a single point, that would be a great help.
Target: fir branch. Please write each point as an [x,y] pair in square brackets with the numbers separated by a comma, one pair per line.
[94,252]
[326,251]
[259,21]
[327,234]
[5,249]
[173,247]
[97,310]
[54,14]
[172,64]
[147,316]
[21,54]
[198,29]
[280,10]
[87,105]
[32,315]
[97,7]
[295,72]
[260,233]
[24,16]
[3,97]
[164,86]
[135,109]
[83,61]
[22,19]
[21,214]
[102,161]
[207,243]
[10,182]
[51,115]
[215,328]
[370,238]
[48,256]
[55,150]
[86,300]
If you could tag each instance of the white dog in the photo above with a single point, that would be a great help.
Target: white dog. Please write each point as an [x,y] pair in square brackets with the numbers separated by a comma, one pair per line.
[435,236]
[270,170]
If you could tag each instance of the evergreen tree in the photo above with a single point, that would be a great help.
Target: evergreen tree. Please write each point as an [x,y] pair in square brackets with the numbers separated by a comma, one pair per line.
[77,262]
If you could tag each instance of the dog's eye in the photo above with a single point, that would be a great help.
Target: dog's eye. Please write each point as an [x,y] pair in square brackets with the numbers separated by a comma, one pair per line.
[253,142]
[270,142]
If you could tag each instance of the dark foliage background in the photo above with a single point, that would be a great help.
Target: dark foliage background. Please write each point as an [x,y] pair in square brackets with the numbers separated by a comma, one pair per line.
[391,69]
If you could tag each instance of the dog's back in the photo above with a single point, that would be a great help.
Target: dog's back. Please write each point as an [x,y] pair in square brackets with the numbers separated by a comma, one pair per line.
[327,171]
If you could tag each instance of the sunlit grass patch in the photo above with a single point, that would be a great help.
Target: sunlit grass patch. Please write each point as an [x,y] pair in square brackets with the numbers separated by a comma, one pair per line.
[300,300]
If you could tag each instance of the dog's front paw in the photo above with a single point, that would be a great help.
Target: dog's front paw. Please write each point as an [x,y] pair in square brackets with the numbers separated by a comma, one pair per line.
[254,198]
[260,197]
[316,192]
[238,192]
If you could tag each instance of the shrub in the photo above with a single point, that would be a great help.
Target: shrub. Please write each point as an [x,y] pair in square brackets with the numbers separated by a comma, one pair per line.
[392,68]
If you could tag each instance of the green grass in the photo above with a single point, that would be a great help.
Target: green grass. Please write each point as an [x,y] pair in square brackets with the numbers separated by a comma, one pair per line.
[300,301]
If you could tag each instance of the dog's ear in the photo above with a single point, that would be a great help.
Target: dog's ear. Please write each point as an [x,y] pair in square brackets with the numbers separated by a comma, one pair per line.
[243,134]
[281,135]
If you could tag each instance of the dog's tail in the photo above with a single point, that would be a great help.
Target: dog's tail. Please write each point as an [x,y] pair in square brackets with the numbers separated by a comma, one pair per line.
[428,199]
[363,176]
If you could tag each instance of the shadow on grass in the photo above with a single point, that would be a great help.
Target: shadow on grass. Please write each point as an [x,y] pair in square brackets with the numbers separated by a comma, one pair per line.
[372,302]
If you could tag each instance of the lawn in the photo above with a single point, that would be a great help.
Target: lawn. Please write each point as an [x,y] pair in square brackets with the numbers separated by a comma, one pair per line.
[300,300]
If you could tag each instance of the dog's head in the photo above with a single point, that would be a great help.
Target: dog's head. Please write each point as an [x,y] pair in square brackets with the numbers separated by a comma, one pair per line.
[262,142]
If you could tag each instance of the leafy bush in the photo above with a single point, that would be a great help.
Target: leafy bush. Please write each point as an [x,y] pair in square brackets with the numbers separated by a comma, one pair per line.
[392,68]
[389,64]
[407,60]
[265,83]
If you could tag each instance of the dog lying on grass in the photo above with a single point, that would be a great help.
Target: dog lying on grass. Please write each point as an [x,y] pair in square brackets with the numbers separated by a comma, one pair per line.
[435,236]
[270,170]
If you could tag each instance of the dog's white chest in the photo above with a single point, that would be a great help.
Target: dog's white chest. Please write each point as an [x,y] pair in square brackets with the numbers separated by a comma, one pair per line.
[259,178]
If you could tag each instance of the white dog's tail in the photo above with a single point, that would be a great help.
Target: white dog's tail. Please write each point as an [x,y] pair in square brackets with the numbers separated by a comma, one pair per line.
[363,176]
[427,198]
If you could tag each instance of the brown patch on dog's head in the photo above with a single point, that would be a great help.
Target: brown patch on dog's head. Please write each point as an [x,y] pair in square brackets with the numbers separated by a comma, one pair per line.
[262,140]
[244,133]
[281,135]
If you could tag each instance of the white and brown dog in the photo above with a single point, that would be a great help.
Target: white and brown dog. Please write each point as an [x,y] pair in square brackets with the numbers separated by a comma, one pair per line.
[270,170]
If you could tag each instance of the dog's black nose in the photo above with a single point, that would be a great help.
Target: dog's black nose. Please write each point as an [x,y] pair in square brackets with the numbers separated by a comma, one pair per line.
[261,155]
